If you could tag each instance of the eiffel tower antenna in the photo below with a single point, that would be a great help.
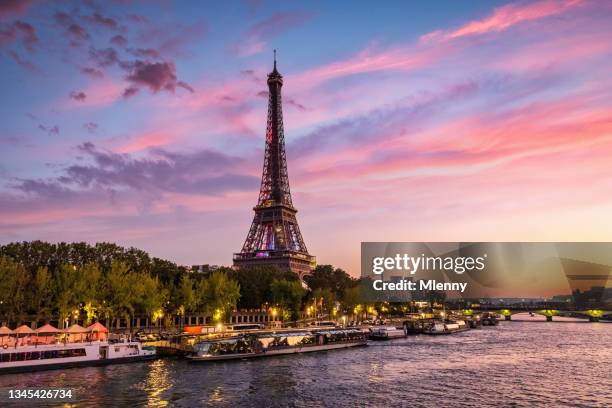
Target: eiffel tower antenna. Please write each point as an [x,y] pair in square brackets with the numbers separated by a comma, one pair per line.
[274,237]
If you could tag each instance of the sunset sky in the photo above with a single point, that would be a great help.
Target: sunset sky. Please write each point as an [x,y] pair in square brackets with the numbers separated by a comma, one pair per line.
[143,123]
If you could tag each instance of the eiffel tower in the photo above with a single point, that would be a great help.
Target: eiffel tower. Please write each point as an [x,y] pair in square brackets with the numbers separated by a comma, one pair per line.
[274,237]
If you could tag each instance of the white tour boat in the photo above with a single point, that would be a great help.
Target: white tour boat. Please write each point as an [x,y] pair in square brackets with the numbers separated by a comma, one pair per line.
[46,348]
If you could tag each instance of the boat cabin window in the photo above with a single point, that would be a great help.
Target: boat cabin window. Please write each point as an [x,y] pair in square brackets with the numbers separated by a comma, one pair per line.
[41,355]
[223,347]
[247,327]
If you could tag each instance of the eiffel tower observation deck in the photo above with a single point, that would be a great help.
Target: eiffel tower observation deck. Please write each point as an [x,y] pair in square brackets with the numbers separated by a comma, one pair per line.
[274,237]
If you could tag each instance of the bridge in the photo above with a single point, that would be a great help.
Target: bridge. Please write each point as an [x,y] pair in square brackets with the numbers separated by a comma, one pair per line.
[549,311]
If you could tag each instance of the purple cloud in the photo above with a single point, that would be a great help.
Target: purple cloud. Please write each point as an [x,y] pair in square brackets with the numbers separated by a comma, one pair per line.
[13,7]
[42,188]
[286,100]
[137,18]
[91,127]
[93,72]
[103,57]
[21,62]
[106,22]
[78,96]
[172,39]
[130,91]
[74,30]
[156,76]
[204,172]
[19,31]
[119,40]
[148,53]
[50,130]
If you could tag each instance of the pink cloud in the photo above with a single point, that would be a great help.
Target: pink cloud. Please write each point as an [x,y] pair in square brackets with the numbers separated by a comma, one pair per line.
[368,61]
[505,17]
[99,92]
[146,141]
[256,38]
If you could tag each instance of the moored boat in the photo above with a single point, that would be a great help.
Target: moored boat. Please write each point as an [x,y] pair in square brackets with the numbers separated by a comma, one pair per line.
[442,328]
[386,333]
[436,328]
[276,343]
[49,348]
[489,319]
[456,326]
[414,326]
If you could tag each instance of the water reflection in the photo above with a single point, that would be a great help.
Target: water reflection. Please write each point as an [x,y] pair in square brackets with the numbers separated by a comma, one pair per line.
[216,395]
[158,380]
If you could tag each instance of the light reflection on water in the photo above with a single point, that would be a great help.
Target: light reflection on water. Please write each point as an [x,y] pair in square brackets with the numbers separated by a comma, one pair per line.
[516,364]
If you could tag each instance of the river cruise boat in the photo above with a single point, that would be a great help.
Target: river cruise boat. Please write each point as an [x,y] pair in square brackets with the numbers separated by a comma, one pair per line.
[386,333]
[448,327]
[276,343]
[324,323]
[489,319]
[47,348]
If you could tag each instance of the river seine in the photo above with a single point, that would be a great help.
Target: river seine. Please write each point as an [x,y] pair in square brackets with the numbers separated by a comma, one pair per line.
[516,364]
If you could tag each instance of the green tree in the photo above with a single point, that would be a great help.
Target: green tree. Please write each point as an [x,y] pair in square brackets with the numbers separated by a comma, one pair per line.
[255,284]
[218,294]
[42,294]
[184,296]
[326,277]
[150,295]
[89,290]
[324,299]
[288,295]
[66,292]
[14,280]
[121,292]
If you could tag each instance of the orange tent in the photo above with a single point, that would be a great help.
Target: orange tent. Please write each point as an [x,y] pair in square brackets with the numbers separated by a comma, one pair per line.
[47,328]
[5,331]
[98,331]
[27,332]
[97,327]
[75,328]
[23,329]
[48,334]
[75,333]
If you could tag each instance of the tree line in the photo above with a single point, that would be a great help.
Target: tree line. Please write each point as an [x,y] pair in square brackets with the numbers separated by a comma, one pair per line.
[45,281]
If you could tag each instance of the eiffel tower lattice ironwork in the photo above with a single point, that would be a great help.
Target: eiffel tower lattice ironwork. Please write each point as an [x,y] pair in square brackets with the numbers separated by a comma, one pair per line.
[274,237]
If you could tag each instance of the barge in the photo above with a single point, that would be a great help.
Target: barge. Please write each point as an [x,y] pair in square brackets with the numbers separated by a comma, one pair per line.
[276,343]
[386,333]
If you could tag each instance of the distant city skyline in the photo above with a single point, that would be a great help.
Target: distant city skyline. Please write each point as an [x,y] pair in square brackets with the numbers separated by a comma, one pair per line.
[144,123]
